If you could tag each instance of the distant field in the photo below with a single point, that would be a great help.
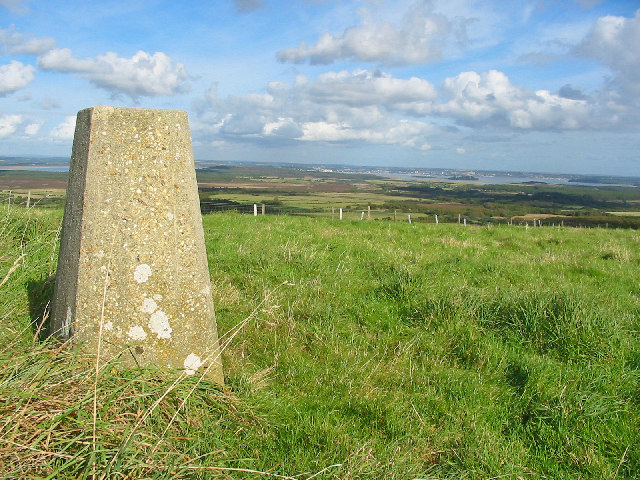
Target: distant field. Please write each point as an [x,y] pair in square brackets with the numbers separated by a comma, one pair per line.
[626,214]
[32,180]
[314,193]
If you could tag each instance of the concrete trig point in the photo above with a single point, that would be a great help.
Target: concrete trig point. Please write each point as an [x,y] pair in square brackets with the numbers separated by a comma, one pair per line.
[132,269]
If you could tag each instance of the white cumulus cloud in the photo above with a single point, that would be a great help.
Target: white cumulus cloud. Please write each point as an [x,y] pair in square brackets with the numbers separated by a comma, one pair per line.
[365,88]
[418,39]
[32,129]
[613,41]
[19,126]
[141,75]
[65,130]
[403,132]
[15,76]
[490,99]
[9,124]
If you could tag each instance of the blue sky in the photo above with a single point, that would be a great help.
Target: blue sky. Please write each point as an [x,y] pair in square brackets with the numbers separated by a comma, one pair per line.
[544,85]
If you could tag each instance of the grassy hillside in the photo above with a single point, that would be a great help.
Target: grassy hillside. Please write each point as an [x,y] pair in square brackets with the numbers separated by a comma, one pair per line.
[361,350]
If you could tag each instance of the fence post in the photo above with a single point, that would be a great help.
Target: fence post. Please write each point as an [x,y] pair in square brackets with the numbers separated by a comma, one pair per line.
[436,219]
[255,209]
[264,209]
[340,213]
[394,215]
[362,216]
[28,198]
[409,215]
[368,212]
[465,222]
[458,218]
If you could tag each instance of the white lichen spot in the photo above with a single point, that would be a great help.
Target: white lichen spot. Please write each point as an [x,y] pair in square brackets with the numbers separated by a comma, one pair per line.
[192,363]
[136,333]
[159,324]
[149,305]
[170,215]
[157,297]
[108,326]
[142,273]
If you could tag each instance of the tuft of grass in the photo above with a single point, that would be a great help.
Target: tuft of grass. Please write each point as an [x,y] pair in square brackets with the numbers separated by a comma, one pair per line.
[143,428]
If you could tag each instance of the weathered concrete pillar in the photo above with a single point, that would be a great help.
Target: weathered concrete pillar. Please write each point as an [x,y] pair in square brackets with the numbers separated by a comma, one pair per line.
[132,274]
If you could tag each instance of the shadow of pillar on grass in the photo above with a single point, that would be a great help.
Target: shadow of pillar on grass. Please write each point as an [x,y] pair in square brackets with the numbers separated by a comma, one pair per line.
[40,294]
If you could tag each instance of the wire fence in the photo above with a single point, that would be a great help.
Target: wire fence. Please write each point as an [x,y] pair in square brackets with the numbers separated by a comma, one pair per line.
[398,215]
[25,199]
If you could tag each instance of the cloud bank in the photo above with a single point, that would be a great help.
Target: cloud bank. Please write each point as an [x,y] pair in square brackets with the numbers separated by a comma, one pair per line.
[337,107]
[371,106]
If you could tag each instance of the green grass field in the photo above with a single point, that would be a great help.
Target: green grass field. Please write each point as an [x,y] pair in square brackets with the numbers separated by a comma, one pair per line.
[364,350]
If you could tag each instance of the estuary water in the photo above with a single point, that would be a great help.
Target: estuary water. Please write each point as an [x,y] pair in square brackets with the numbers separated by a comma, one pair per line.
[498,179]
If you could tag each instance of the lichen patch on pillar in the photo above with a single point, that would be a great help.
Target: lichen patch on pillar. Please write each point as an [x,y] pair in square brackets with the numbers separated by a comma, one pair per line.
[192,363]
[159,324]
[142,272]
